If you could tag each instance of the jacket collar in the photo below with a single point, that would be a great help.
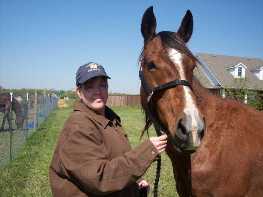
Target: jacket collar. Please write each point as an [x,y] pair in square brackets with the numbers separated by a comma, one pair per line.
[107,120]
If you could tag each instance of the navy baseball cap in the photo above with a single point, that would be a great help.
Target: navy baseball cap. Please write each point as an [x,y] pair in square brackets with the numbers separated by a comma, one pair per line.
[88,71]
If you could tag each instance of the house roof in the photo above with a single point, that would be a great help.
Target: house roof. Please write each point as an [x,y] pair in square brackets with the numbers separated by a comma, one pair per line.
[218,65]
[238,65]
[257,69]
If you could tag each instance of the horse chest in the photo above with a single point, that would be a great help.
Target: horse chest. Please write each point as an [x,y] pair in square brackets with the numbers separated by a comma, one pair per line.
[214,175]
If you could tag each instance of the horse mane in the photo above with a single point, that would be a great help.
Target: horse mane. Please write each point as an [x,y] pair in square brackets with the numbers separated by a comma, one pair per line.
[144,106]
[148,121]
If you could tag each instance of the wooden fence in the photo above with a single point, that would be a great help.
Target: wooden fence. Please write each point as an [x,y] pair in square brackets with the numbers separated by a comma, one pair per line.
[124,100]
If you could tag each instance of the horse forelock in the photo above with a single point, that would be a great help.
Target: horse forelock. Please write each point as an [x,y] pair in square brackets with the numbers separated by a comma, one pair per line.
[172,40]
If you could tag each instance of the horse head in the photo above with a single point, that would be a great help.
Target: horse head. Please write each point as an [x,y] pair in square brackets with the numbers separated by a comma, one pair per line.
[166,75]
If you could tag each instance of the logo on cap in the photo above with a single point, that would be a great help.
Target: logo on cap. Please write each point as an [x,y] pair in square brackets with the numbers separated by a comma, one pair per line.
[93,67]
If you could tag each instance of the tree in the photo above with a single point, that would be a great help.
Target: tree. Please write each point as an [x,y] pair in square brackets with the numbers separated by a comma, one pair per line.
[254,97]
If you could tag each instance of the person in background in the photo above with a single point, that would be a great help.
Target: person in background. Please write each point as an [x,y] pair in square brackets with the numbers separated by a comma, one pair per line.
[93,156]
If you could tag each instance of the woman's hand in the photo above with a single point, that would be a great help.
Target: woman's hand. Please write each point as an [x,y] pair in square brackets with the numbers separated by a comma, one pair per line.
[159,142]
[143,183]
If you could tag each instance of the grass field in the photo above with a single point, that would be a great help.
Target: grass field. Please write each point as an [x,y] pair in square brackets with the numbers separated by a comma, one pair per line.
[28,174]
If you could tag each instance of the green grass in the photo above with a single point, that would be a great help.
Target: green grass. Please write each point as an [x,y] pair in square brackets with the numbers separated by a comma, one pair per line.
[17,139]
[27,175]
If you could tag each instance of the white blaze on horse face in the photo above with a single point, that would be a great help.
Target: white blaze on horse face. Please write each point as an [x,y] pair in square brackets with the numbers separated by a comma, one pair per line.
[192,121]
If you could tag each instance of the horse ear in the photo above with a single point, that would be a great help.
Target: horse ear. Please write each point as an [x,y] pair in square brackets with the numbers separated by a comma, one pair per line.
[186,29]
[148,25]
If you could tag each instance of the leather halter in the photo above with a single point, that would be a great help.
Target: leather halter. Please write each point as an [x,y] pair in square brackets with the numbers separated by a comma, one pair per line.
[159,127]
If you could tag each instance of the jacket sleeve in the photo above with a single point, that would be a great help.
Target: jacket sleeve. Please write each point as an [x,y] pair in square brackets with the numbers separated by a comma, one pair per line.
[84,161]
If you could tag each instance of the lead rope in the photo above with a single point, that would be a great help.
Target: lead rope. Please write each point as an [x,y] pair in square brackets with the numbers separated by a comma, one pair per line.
[157,176]
[158,165]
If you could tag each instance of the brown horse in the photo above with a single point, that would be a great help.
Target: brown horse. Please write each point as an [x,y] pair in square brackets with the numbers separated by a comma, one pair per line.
[226,136]
[6,107]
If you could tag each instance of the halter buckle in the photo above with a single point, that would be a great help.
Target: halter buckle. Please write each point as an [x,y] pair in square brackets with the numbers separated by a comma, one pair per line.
[150,96]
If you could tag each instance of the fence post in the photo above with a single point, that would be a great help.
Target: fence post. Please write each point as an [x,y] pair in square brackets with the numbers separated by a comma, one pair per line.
[35,110]
[27,113]
[245,99]
[223,93]
[11,132]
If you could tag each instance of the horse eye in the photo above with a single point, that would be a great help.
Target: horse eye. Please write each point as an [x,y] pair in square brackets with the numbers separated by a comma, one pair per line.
[151,66]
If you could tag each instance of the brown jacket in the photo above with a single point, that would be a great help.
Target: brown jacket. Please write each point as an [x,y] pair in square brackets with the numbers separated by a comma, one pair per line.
[93,157]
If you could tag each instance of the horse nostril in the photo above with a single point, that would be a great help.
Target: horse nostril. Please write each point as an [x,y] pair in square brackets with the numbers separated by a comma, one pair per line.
[202,128]
[181,131]
[201,133]
[182,127]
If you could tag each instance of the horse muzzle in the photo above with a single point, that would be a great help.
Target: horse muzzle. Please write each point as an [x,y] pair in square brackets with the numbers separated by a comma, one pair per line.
[189,134]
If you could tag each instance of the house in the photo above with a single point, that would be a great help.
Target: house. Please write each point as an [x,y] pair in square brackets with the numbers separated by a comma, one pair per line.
[223,74]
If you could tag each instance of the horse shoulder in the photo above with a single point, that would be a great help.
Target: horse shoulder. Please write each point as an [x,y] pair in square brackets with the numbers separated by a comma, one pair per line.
[212,171]
[230,153]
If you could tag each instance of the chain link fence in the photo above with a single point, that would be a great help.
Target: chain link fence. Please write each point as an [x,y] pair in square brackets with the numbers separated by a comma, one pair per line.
[20,116]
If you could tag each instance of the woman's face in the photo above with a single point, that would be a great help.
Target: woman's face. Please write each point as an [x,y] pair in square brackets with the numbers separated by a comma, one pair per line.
[94,93]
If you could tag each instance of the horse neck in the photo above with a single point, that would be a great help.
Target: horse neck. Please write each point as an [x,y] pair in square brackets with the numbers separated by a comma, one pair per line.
[206,101]
[181,164]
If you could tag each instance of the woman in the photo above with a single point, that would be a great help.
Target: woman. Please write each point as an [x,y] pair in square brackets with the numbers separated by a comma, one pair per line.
[93,156]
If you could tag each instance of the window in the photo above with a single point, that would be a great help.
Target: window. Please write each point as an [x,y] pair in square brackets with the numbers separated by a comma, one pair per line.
[239,72]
